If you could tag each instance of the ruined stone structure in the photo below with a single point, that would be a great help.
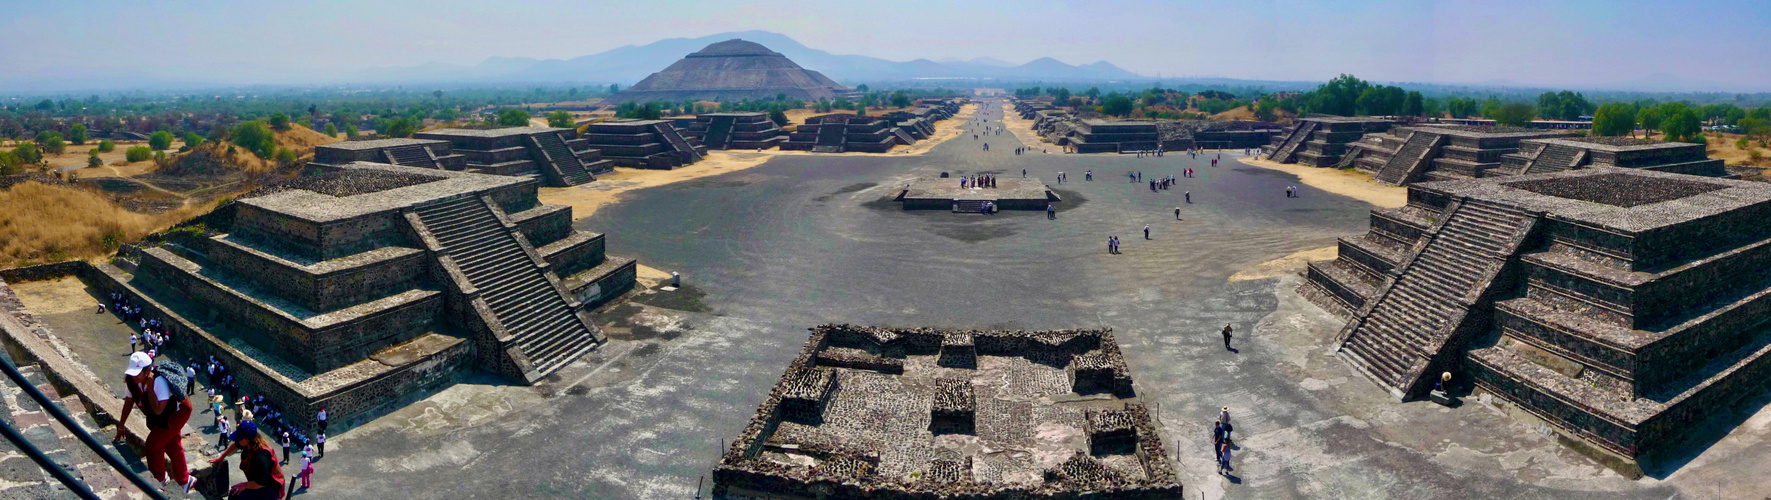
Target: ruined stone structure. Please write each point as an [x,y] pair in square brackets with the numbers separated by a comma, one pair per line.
[653,144]
[1102,136]
[1621,306]
[944,193]
[1403,155]
[836,133]
[1408,154]
[881,413]
[732,70]
[749,130]
[422,153]
[1320,140]
[555,155]
[354,288]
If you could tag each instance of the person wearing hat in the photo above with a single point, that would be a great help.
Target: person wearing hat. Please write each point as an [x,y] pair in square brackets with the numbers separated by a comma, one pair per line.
[166,411]
[264,479]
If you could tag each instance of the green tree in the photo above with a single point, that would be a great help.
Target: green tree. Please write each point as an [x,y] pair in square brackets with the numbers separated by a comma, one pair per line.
[1414,105]
[1092,92]
[284,157]
[105,146]
[1614,119]
[778,116]
[256,137]
[279,121]
[331,130]
[191,139]
[900,99]
[513,117]
[402,127]
[77,134]
[1061,96]
[1754,128]
[160,140]
[51,142]
[861,88]
[1682,125]
[9,163]
[137,153]
[560,119]
[92,160]
[1116,105]
[1264,109]
[350,131]
[1649,118]
[1491,107]
[1516,114]
[27,153]
[1461,108]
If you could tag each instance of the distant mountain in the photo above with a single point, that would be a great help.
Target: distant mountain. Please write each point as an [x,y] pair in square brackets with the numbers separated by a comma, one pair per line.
[631,63]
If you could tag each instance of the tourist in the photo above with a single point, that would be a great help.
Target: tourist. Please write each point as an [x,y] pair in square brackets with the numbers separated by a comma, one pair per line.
[1110,245]
[190,379]
[1224,456]
[1146,231]
[1189,195]
[215,402]
[1224,413]
[222,426]
[286,441]
[166,411]
[1177,213]
[321,441]
[1089,175]
[321,418]
[264,479]
[307,469]
[1051,212]
[1227,342]
[132,341]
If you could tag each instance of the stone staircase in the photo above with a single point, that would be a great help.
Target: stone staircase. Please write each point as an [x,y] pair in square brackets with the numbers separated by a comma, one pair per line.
[1406,163]
[903,136]
[413,155]
[1553,158]
[1298,136]
[969,206]
[518,291]
[719,132]
[565,164]
[22,478]
[831,138]
[1421,315]
[677,141]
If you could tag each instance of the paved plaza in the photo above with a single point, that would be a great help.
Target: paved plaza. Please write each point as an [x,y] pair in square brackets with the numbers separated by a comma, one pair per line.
[767,252]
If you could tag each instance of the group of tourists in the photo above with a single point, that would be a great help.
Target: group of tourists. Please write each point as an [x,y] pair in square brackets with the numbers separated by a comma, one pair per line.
[1113,245]
[1162,184]
[1291,191]
[163,393]
[980,181]
[1222,443]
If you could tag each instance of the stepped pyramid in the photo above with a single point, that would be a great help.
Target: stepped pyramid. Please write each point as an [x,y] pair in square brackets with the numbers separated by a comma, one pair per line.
[729,71]
[1620,306]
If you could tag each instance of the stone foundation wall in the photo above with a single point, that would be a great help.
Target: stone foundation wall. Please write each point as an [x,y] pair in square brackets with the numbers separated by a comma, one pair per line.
[320,292]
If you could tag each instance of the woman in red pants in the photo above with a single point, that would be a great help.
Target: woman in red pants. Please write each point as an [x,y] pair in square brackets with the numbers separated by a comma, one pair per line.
[166,409]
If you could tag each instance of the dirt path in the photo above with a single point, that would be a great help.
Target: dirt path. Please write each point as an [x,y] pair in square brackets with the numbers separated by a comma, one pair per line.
[1023,129]
[1347,183]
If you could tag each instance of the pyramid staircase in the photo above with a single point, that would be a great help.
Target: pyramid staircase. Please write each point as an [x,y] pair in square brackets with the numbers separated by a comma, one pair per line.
[23,477]
[1410,159]
[1554,158]
[559,159]
[522,295]
[1287,151]
[411,155]
[831,138]
[719,132]
[677,142]
[1421,318]
[903,137]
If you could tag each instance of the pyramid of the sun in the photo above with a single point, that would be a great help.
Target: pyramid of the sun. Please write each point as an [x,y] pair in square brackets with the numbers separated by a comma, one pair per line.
[729,71]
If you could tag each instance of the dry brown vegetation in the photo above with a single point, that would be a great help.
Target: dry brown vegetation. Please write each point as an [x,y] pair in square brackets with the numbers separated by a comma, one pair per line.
[45,223]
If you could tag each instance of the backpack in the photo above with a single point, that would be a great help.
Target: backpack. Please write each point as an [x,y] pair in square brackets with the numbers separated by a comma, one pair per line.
[175,379]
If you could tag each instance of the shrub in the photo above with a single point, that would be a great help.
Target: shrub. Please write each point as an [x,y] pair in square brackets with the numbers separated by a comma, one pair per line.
[280,121]
[137,153]
[285,157]
[51,142]
[27,153]
[106,146]
[331,130]
[256,137]
[92,160]
[77,134]
[559,119]
[191,139]
[513,118]
[160,140]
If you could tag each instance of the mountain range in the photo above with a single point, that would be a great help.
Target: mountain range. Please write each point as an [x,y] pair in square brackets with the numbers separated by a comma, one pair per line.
[630,63]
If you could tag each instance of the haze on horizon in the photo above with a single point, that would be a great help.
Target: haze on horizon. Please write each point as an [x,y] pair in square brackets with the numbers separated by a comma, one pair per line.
[1711,46]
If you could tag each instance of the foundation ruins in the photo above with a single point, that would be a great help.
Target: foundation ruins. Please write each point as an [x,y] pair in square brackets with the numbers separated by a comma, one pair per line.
[882,413]
[1321,140]
[555,156]
[653,144]
[1621,306]
[748,130]
[357,287]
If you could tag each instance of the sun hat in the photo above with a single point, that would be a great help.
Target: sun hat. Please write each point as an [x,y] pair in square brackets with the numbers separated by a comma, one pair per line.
[137,362]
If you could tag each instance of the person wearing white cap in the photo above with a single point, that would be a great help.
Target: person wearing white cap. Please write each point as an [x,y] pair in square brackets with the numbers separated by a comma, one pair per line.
[166,409]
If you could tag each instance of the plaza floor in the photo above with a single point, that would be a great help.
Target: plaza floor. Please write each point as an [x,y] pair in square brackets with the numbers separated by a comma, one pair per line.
[803,240]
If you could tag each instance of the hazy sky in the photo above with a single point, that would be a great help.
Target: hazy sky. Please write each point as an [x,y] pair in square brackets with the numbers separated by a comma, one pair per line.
[1724,45]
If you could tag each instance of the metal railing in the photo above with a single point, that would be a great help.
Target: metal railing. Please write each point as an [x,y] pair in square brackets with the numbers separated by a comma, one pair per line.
[61,474]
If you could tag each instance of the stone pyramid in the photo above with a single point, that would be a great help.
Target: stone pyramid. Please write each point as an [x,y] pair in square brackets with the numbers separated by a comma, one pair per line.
[731,70]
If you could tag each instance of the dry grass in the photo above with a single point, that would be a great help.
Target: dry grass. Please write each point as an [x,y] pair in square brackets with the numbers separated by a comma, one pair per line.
[54,223]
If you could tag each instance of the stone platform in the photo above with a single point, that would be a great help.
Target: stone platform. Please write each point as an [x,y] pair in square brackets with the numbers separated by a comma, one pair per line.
[882,413]
[935,193]
[1621,306]
[555,155]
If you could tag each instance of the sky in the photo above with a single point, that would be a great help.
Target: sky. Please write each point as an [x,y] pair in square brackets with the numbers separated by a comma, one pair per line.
[1710,45]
